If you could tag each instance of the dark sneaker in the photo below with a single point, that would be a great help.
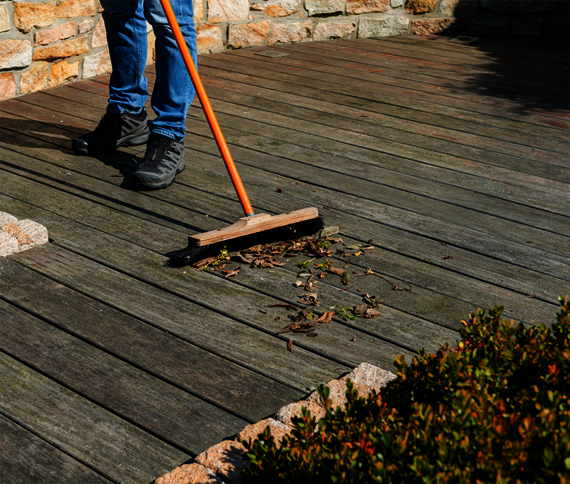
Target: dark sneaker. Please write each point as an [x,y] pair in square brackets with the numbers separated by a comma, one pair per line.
[163,160]
[114,130]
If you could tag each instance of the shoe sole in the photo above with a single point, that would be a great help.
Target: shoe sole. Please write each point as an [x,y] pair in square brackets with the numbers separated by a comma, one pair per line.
[162,184]
[132,140]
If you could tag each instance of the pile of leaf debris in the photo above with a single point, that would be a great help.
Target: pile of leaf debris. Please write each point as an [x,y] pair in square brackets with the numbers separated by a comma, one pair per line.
[269,256]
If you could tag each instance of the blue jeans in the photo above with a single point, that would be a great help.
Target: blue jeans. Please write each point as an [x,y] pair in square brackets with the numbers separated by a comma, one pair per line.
[127,38]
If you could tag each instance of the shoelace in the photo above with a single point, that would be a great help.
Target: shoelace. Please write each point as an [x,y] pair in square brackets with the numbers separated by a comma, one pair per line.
[155,151]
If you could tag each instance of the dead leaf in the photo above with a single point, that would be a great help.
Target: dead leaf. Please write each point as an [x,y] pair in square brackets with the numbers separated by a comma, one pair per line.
[448,257]
[290,345]
[308,286]
[358,253]
[311,298]
[312,334]
[279,190]
[352,339]
[326,317]
[277,318]
[299,283]
[327,231]
[345,278]
[371,300]
[232,273]
[204,262]
[335,270]
[263,311]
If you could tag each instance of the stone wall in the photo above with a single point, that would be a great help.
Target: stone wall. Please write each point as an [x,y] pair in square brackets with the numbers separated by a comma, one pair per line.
[45,43]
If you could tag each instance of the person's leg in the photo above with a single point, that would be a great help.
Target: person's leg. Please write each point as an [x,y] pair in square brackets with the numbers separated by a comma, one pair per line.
[127,40]
[125,120]
[171,97]
[173,90]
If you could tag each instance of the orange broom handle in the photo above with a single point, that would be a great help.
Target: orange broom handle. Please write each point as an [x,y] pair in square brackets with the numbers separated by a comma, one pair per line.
[208,111]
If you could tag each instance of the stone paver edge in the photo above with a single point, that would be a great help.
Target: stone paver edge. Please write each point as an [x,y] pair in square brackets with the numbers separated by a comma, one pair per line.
[222,463]
[19,235]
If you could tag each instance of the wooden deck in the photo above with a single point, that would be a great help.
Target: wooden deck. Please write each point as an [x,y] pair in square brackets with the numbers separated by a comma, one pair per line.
[114,367]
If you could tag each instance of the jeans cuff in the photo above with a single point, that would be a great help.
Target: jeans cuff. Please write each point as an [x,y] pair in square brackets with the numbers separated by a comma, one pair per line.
[168,135]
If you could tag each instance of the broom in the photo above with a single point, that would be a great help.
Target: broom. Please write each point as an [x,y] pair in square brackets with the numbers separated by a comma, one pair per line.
[252,229]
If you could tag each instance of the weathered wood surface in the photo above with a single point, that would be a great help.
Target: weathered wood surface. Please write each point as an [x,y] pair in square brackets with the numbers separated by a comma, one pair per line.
[24,457]
[446,156]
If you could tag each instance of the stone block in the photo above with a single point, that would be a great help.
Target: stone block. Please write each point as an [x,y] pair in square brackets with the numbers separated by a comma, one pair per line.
[69,48]
[317,7]
[30,15]
[369,375]
[209,39]
[421,6]
[383,27]
[248,35]
[334,30]
[227,10]
[63,31]
[75,8]
[459,8]
[4,19]
[338,393]
[62,71]
[396,3]
[151,48]
[28,233]
[290,32]
[366,6]
[7,86]
[278,8]
[35,79]
[189,474]
[15,53]
[278,430]
[6,218]
[286,414]
[198,10]
[433,26]
[501,5]
[85,26]
[8,244]
[97,64]
[531,6]
[225,459]
[99,37]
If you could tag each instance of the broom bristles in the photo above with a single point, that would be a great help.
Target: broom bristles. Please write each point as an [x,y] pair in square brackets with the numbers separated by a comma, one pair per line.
[192,254]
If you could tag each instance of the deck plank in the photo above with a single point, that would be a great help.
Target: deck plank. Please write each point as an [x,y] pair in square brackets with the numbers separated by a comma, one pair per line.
[24,457]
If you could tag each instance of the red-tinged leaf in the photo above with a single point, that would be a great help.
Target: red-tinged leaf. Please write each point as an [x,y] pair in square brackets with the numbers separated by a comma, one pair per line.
[232,273]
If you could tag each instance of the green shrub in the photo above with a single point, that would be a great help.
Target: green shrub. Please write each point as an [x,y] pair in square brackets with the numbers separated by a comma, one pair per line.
[496,409]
